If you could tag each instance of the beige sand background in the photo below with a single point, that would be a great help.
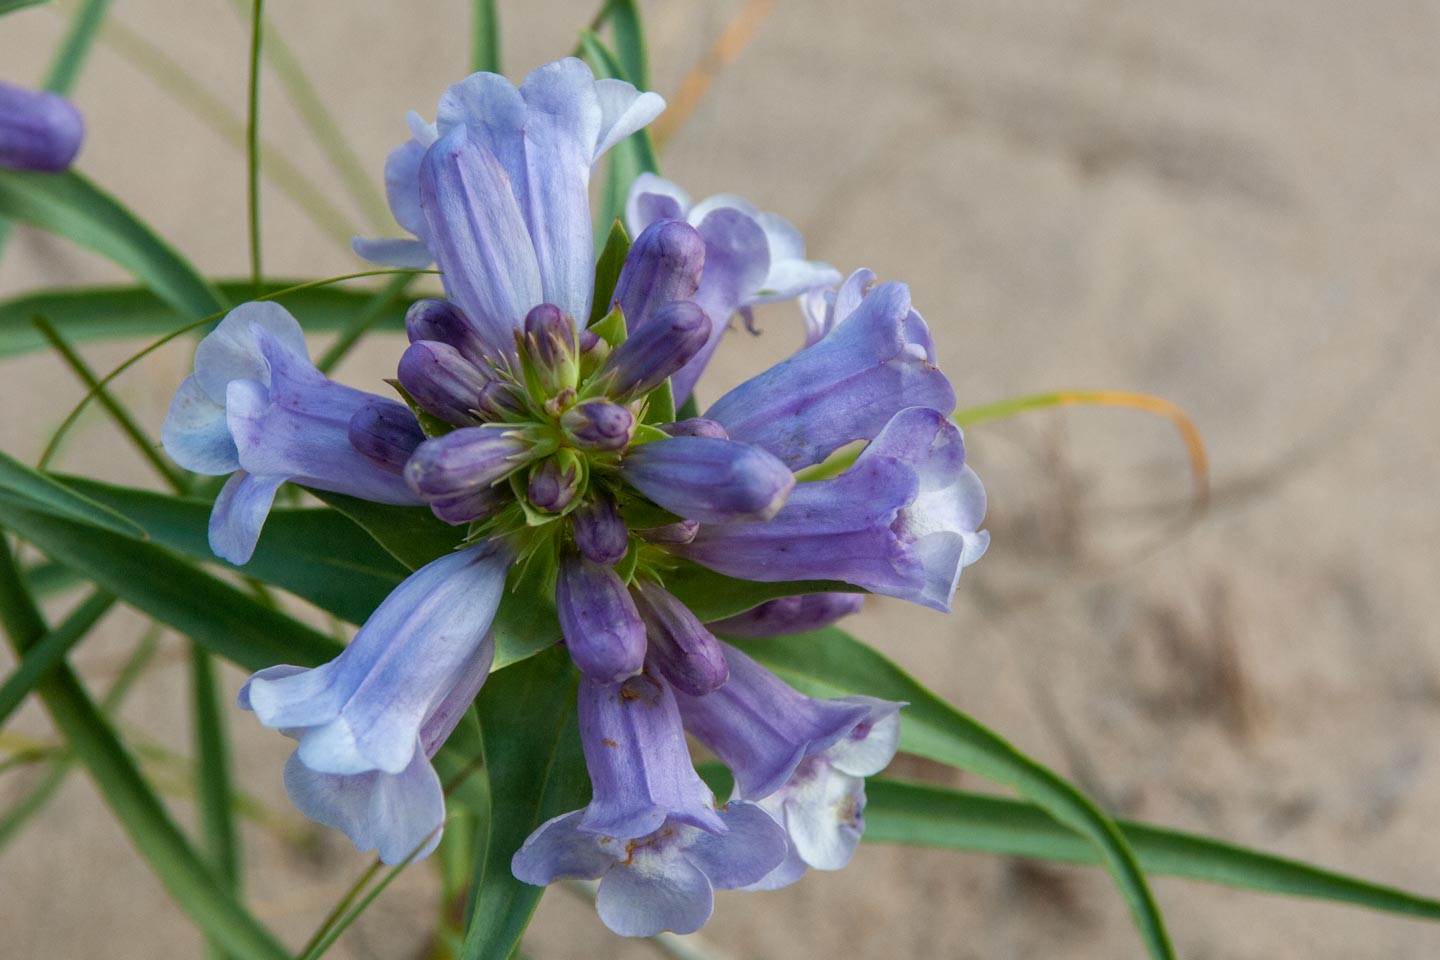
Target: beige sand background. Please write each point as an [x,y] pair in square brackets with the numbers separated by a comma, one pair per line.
[1232,204]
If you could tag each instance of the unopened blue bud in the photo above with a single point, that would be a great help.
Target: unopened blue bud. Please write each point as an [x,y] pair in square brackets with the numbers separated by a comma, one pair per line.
[599,425]
[555,481]
[655,350]
[599,532]
[442,381]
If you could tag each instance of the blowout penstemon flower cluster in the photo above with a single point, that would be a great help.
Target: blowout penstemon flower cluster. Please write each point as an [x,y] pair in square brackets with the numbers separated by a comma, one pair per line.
[549,439]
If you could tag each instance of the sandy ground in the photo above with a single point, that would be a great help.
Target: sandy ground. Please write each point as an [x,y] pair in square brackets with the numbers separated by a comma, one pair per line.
[1228,203]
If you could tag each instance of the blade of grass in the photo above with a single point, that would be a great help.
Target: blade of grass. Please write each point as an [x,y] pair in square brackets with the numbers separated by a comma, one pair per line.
[149,826]
[51,650]
[212,771]
[484,37]
[252,141]
[46,493]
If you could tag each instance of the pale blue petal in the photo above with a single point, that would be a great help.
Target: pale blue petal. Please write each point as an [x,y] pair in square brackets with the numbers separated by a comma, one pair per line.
[658,890]
[653,198]
[195,433]
[240,511]
[753,846]
[232,351]
[623,110]
[404,254]
[559,849]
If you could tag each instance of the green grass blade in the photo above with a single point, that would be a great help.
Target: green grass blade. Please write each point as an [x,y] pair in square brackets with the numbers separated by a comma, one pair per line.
[49,495]
[71,206]
[117,313]
[630,42]
[221,618]
[830,662]
[50,650]
[252,141]
[212,770]
[922,815]
[150,828]
[76,47]
[630,157]
[10,6]
[485,37]
[534,762]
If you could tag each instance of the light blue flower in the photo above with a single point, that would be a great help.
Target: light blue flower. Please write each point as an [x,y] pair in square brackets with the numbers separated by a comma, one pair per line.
[257,408]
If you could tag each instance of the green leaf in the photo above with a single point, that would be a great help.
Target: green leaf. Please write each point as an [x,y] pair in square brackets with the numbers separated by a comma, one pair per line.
[118,313]
[50,650]
[607,272]
[52,496]
[212,771]
[624,20]
[412,535]
[10,6]
[830,662]
[630,157]
[535,764]
[485,38]
[71,206]
[150,828]
[216,615]
[921,815]
[316,554]
[714,596]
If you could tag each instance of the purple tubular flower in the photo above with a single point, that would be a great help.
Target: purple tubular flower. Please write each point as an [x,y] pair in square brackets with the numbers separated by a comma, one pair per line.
[761,728]
[556,346]
[787,615]
[640,769]
[465,507]
[395,814]
[877,361]
[386,434]
[751,257]
[555,482]
[599,425]
[442,321]
[696,427]
[464,461]
[656,350]
[902,521]
[684,651]
[439,378]
[258,409]
[822,805]
[663,266]
[497,190]
[602,629]
[366,709]
[664,881]
[709,480]
[39,130]
[600,534]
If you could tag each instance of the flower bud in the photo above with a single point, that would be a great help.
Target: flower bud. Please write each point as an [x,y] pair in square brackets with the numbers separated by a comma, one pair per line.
[598,618]
[680,647]
[499,402]
[663,266]
[385,433]
[593,353]
[467,507]
[709,480]
[445,322]
[441,381]
[599,425]
[464,461]
[553,348]
[599,532]
[696,427]
[787,615]
[38,130]
[655,350]
[555,481]
[671,533]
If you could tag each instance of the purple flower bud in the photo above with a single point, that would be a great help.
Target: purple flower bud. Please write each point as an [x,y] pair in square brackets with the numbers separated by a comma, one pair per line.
[555,482]
[672,533]
[696,427]
[38,130]
[385,433]
[550,341]
[499,401]
[599,425]
[599,532]
[602,628]
[441,381]
[444,321]
[463,461]
[787,615]
[684,651]
[675,333]
[664,265]
[594,351]
[709,480]
[467,507]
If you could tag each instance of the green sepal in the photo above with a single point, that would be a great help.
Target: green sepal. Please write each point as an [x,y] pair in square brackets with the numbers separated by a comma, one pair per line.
[430,425]
[612,328]
[607,272]
[647,433]
[659,405]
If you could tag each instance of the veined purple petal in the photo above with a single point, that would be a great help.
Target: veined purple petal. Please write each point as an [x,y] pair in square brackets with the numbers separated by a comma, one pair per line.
[402,190]
[901,521]
[474,505]
[708,480]
[463,461]
[680,647]
[444,322]
[479,237]
[639,766]
[664,265]
[846,387]
[696,427]
[602,629]
[385,433]
[653,198]
[600,534]
[762,728]
[673,335]
[787,615]
[367,709]
[441,381]
[39,130]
